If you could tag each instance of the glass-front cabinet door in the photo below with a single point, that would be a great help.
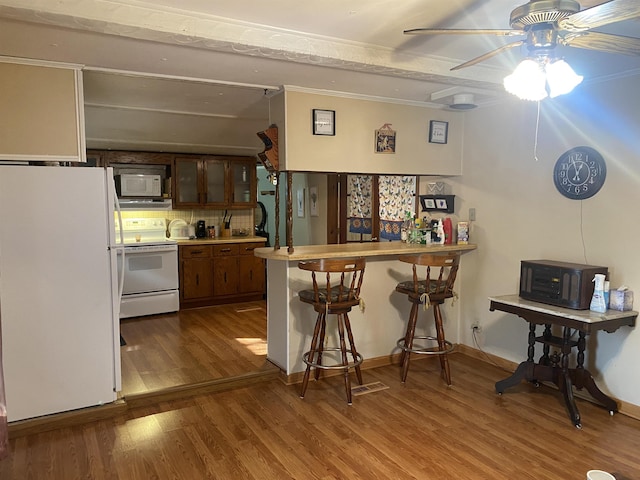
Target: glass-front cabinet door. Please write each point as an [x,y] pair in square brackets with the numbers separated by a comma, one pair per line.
[216,191]
[215,181]
[187,184]
[243,174]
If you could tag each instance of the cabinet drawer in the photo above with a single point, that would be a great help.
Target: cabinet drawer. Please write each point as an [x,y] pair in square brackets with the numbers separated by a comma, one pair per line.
[225,250]
[195,251]
[248,248]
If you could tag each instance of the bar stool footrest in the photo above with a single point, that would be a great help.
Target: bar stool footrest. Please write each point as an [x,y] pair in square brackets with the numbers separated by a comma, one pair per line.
[357,362]
[423,350]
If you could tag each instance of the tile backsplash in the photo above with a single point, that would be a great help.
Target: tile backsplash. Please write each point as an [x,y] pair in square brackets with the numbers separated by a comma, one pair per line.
[242,219]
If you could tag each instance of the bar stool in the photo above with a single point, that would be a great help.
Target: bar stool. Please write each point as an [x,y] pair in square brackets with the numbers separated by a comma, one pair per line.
[433,290]
[336,295]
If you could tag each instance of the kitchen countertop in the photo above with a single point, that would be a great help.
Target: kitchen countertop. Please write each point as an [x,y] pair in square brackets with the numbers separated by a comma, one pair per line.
[344,250]
[222,240]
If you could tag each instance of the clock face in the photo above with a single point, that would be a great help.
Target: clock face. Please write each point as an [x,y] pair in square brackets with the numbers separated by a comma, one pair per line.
[579,173]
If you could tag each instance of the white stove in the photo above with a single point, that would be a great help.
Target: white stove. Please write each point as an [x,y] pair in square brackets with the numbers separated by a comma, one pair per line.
[150,268]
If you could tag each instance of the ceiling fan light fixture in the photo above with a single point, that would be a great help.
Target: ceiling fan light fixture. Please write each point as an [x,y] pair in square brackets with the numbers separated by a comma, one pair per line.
[561,78]
[527,81]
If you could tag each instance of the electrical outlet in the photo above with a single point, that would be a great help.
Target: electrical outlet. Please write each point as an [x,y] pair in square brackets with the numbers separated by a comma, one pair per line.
[472,214]
[476,327]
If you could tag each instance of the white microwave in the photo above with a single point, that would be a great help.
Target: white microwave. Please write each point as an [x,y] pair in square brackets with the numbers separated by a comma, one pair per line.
[138,185]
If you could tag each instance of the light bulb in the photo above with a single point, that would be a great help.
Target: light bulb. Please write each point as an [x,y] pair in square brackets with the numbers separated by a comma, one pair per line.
[527,81]
[561,78]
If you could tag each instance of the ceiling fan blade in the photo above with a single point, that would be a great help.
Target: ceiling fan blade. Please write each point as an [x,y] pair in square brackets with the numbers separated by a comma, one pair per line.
[603,14]
[603,42]
[453,31]
[488,55]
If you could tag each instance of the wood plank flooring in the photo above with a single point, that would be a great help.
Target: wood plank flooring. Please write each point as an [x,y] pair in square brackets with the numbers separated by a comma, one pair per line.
[192,346]
[420,430]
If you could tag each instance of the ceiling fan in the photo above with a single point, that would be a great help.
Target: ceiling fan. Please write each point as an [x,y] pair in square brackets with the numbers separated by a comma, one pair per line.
[547,23]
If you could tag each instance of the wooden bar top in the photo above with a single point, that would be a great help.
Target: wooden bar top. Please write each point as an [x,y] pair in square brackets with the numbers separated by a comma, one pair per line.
[345,250]
[222,240]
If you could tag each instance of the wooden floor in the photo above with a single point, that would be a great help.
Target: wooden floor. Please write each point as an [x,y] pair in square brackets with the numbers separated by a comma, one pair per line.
[420,430]
[192,346]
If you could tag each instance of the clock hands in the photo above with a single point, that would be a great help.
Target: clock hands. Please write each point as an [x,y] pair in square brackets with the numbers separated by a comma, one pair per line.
[576,177]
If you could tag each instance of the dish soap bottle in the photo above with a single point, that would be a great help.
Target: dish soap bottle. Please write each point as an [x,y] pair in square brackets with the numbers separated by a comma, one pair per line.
[597,301]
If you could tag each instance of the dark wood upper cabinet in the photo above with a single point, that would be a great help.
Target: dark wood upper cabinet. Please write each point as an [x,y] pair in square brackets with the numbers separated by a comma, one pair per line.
[211,181]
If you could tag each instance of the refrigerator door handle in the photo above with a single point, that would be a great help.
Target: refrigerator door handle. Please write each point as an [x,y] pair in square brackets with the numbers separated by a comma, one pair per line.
[120,233]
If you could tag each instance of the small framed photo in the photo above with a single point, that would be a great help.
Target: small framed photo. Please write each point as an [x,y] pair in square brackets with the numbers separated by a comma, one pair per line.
[313,201]
[324,122]
[385,141]
[300,202]
[437,203]
[438,131]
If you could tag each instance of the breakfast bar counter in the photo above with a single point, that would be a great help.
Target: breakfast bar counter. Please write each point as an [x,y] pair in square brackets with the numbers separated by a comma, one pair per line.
[344,250]
[376,330]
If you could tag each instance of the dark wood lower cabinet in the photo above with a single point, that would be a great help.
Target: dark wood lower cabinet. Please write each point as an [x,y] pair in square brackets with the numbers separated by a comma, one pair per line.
[219,274]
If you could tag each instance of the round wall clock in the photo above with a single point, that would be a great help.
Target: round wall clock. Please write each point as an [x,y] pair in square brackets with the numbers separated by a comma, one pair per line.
[579,173]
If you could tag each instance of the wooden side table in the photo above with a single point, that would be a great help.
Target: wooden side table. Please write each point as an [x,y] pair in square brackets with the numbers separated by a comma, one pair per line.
[555,368]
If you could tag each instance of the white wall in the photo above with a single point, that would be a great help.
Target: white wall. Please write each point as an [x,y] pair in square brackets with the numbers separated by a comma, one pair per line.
[521,215]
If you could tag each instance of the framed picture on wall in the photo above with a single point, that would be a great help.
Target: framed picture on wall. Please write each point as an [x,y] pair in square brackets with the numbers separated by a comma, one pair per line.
[313,201]
[300,202]
[437,203]
[438,131]
[385,141]
[324,122]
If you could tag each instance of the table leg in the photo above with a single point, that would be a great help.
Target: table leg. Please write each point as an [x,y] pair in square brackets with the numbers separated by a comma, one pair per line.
[582,378]
[525,370]
[546,348]
[565,384]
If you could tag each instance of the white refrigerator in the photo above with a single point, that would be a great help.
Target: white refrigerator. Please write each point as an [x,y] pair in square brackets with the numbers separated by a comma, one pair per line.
[59,289]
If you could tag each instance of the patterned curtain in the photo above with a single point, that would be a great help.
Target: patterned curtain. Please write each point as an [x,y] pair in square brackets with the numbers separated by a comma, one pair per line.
[359,190]
[4,432]
[397,196]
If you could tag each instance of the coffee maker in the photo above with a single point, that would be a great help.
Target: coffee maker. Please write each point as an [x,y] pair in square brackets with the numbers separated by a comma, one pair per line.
[201,229]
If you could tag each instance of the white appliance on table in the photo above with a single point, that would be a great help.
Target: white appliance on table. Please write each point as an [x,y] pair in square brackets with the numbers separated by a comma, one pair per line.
[150,268]
[59,292]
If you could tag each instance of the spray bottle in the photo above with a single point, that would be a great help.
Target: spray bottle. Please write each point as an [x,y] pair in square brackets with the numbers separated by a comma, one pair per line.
[597,301]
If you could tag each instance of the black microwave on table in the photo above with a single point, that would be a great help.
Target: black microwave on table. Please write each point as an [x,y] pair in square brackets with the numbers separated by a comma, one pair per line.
[563,284]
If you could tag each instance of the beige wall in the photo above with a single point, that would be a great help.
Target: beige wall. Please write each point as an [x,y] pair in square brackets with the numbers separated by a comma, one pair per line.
[351,150]
[521,215]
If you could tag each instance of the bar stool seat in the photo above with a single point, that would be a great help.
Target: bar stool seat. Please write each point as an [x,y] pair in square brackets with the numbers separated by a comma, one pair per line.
[335,294]
[430,290]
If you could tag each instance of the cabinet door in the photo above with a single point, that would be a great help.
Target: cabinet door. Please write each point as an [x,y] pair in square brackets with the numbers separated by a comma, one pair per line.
[225,276]
[243,182]
[216,190]
[41,114]
[197,278]
[252,274]
[187,181]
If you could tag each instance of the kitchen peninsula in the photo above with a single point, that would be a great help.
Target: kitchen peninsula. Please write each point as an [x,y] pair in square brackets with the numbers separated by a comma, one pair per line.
[376,329]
